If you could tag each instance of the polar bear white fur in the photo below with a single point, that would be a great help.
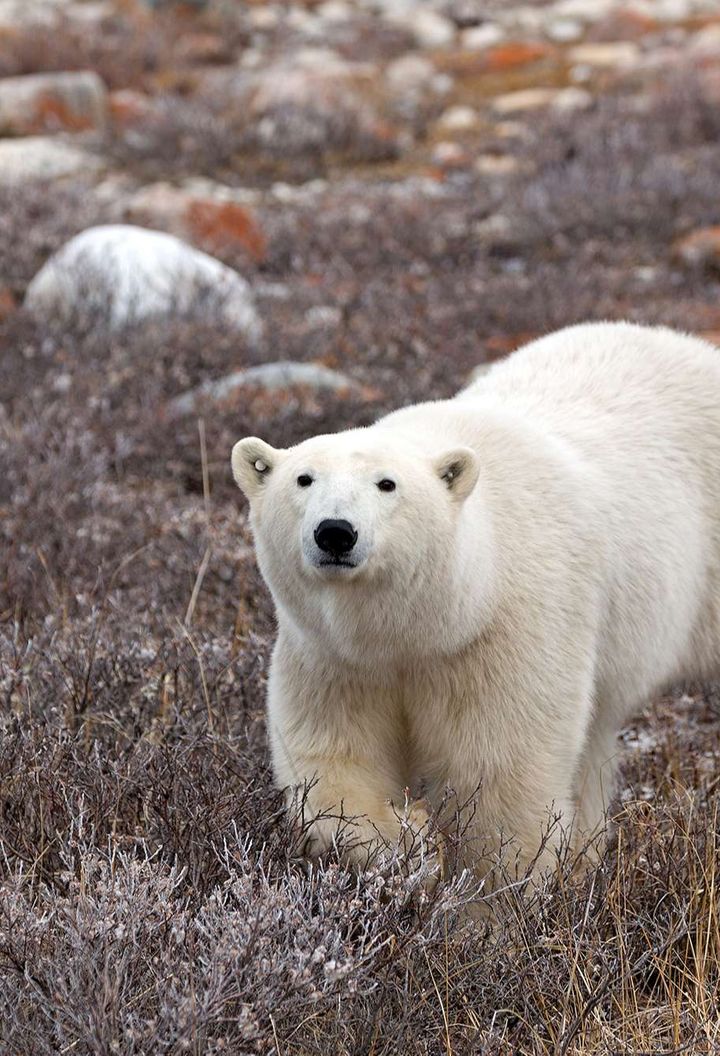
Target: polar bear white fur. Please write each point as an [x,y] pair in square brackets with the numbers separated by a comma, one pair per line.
[548,559]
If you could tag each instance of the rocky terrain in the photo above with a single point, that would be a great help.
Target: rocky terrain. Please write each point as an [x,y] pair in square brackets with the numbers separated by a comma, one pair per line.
[291,218]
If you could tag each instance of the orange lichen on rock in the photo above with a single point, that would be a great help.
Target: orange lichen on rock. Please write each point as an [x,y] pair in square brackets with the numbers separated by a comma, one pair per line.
[221,224]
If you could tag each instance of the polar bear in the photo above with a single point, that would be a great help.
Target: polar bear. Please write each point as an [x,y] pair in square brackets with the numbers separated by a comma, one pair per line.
[479,592]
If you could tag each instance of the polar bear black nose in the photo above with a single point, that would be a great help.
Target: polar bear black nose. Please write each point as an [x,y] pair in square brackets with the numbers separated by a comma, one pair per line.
[335,537]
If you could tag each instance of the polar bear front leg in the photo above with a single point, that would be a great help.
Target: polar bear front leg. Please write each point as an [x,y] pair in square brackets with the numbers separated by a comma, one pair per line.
[337,751]
[341,804]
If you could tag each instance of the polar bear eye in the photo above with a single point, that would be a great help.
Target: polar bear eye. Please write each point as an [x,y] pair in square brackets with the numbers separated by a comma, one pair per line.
[304,480]
[386,485]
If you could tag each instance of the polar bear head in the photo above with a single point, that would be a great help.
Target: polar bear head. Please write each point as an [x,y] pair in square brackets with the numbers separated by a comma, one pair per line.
[352,528]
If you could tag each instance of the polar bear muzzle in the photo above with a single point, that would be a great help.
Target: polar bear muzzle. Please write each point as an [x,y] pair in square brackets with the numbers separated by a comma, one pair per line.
[335,537]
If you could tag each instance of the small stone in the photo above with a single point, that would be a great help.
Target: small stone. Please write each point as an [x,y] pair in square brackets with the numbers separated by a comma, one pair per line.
[271,376]
[118,275]
[496,164]
[43,158]
[323,315]
[706,41]
[700,248]
[62,383]
[671,10]
[266,17]
[581,73]
[459,119]
[202,48]
[449,155]
[525,99]
[512,130]
[475,38]
[495,228]
[24,14]
[335,11]
[623,24]
[410,73]
[529,20]
[569,99]
[583,10]
[431,29]
[564,30]
[43,102]
[618,53]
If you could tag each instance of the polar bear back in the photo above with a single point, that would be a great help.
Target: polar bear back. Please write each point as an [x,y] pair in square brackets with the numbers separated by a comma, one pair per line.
[629,418]
[579,375]
[642,406]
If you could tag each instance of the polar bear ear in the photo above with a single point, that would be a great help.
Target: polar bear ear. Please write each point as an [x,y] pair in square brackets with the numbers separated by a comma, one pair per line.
[252,463]
[459,469]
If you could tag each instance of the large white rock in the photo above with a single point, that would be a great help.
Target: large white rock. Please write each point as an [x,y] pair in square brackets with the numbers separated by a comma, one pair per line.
[122,274]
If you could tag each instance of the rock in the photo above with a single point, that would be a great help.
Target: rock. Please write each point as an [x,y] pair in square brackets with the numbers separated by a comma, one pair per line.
[706,42]
[449,155]
[202,48]
[45,102]
[208,220]
[583,10]
[414,86]
[622,24]
[496,229]
[699,248]
[24,14]
[264,18]
[564,30]
[315,103]
[410,74]
[121,275]
[569,99]
[537,98]
[512,130]
[43,158]
[671,10]
[431,29]
[525,99]
[323,315]
[528,20]
[459,119]
[618,53]
[335,11]
[271,376]
[496,164]
[475,38]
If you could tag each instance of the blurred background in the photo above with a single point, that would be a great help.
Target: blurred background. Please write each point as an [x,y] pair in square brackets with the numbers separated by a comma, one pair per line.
[231,218]
[392,192]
